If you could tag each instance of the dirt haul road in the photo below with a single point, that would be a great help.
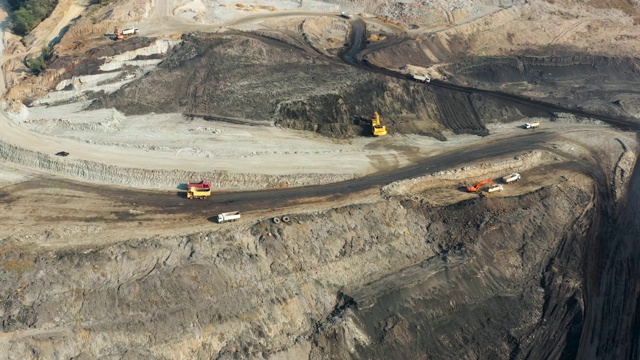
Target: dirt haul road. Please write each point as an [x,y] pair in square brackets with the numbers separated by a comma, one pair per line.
[176,203]
[133,158]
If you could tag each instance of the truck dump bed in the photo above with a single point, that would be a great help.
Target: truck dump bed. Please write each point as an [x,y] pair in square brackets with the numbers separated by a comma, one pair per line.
[199,185]
[228,216]
[421,78]
[198,190]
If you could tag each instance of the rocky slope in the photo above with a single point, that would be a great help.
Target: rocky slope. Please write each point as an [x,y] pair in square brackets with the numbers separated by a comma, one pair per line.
[259,78]
[391,277]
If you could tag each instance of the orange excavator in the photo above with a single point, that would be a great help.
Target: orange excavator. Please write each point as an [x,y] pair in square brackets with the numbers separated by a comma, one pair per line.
[117,34]
[479,185]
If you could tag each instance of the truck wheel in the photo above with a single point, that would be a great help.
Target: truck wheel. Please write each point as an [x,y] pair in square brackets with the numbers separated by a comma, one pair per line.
[276,220]
[286,219]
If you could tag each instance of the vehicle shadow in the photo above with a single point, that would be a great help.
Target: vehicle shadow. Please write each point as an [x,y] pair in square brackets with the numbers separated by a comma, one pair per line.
[181,194]
[365,126]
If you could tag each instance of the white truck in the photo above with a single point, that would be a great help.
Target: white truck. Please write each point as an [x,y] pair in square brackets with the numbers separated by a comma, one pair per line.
[228,216]
[422,78]
[496,187]
[346,16]
[130,31]
[532,125]
[511,178]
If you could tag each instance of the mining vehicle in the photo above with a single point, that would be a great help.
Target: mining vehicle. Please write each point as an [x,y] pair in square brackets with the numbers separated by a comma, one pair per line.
[199,190]
[479,185]
[496,187]
[117,35]
[130,31]
[422,78]
[511,178]
[376,128]
[228,216]
[532,125]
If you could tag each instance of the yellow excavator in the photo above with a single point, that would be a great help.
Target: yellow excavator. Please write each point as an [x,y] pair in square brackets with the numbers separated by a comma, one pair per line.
[376,128]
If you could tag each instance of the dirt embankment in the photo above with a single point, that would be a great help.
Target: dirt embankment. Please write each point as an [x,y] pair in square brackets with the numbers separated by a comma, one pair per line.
[417,278]
[157,179]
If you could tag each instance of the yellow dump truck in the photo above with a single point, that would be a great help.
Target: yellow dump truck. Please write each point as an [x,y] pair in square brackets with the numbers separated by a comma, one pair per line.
[376,128]
[199,190]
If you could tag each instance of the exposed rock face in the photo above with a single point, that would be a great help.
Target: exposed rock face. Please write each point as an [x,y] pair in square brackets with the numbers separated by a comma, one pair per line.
[492,277]
[505,284]
[597,83]
[264,79]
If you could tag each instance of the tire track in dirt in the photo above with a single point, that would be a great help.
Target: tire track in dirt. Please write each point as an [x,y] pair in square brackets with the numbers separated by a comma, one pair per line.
[265,200]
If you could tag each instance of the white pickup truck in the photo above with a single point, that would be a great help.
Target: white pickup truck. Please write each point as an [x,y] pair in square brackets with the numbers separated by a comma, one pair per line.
[532,125]
[511,178]
[228,216]
[130,31]
[496,187]
[422,78]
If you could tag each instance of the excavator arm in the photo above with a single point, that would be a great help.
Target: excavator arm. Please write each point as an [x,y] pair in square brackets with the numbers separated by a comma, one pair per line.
[479,185]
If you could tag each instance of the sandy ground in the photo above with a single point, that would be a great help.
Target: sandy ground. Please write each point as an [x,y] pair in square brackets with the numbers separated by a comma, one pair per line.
[180,266]
[171,141]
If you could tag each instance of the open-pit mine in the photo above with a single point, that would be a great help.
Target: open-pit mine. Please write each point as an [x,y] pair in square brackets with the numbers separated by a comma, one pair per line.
[330,179]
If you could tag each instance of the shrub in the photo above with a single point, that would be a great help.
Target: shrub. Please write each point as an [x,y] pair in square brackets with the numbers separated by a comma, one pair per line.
[39,64]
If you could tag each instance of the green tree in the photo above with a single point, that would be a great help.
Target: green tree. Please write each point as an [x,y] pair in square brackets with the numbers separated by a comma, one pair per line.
[27,14]
[23,21]
[39,64]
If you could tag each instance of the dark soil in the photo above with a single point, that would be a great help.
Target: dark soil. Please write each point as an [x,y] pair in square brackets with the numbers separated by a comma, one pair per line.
[505,285]
[258,78]
[89,63]
[593,83]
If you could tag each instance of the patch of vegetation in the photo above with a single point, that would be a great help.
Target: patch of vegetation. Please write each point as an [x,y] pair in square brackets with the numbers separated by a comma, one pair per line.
[39,64]
[27,14]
